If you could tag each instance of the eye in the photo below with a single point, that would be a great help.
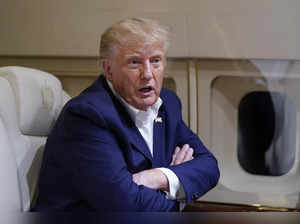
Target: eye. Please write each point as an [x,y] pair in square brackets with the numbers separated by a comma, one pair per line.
[134,63]
[155,60]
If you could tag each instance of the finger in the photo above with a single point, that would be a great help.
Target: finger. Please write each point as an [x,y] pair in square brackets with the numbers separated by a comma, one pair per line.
[189,155]
[181,154]
[135,178]
[177,149]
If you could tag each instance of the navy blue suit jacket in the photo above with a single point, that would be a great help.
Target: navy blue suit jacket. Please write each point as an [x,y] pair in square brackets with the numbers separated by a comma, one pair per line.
[95,147]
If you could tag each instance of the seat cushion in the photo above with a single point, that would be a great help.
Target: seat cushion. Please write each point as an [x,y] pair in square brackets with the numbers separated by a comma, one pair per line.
[39,98]
[9,187]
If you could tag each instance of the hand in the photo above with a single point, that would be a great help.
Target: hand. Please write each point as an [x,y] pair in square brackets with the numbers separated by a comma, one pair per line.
[152,178]
[182,155]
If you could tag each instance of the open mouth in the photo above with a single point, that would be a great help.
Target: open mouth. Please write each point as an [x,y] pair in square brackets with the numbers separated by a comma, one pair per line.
[146,89]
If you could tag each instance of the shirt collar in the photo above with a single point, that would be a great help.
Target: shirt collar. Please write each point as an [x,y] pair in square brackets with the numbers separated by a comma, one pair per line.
[139,116]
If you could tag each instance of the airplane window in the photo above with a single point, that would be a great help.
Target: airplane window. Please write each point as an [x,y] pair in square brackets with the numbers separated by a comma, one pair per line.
[266,133]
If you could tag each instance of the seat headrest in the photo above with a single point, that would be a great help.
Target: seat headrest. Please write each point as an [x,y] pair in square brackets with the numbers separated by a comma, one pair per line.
[39,98]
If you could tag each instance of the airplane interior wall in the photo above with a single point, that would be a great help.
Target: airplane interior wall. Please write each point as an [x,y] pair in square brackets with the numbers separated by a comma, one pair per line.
[257,29]
[225,57]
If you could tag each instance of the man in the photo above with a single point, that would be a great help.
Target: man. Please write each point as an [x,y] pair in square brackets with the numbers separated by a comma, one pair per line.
[122,145]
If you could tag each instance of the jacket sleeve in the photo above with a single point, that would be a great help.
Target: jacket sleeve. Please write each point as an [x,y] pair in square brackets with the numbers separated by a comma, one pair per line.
[99,171]
[200,174]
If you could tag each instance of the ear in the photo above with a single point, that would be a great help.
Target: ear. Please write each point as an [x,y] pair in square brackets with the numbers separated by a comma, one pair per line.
[106,68]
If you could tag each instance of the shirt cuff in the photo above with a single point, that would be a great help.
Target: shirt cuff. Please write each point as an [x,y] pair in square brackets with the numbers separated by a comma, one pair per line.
[176,190]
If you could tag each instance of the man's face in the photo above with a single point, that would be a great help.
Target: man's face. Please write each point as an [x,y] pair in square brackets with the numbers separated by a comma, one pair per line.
[136,73]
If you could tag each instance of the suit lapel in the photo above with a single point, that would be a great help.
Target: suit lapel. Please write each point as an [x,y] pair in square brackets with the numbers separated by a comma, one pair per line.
[159,140]
[130,130]
[138,141]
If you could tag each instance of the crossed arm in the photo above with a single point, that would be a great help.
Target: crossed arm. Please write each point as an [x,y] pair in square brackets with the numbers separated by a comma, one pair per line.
[155,178]
[141,191]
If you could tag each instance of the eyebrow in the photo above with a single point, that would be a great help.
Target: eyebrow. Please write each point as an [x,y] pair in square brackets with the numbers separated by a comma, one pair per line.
[132,55]
[158,53]
[135,55]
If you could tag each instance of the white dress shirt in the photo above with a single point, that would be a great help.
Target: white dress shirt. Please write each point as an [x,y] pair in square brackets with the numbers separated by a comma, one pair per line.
[144,122]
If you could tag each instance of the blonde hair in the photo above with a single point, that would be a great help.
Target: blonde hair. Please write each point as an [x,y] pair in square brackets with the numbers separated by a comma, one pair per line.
[137,30]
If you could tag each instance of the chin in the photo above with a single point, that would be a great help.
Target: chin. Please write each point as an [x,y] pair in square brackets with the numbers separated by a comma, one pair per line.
[146,102]
[150,102]
[144,106]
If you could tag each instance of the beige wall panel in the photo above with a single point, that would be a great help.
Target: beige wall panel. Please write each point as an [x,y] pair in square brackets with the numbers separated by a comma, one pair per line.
[65,65]
[177,70]
[192,92]
[202,28]
[207,72]
[221,86]
[59,28]
[75,85]
[245,29]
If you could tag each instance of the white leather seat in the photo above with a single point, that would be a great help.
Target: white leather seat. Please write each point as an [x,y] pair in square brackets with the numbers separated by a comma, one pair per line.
[30,101]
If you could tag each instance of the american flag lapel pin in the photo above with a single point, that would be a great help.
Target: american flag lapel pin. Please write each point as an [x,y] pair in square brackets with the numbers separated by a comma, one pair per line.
[158,120]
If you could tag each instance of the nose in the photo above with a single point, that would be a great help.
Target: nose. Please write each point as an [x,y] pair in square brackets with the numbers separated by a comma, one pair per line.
[147,71]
